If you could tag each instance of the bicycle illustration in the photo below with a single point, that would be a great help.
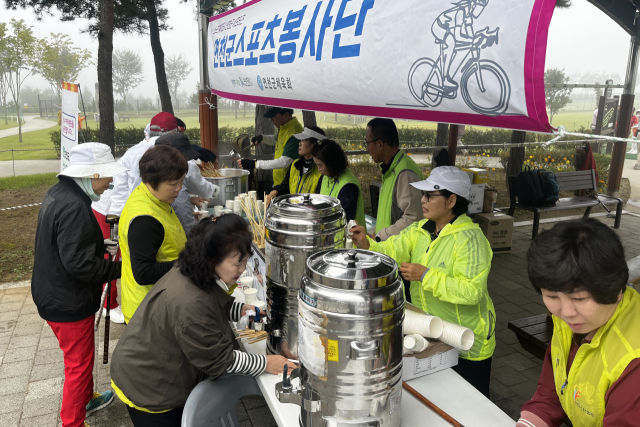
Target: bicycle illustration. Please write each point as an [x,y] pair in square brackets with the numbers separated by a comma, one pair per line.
[483,83]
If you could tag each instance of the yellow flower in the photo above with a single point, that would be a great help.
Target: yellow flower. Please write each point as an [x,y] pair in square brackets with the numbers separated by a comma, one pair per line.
[531,157]
[494,169]
[568,162]
[553,160]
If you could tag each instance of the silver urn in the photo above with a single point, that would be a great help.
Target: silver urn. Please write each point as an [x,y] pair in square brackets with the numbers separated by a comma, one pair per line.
[351,309]
[296,226]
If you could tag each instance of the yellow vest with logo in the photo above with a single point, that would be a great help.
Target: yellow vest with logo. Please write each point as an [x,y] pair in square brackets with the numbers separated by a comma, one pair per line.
[141,203]
[331,187]
[598,364]
[285,132]
[307,183]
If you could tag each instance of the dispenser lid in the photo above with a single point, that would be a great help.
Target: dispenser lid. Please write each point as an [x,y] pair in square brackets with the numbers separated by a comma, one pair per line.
[352,269]
[305,205]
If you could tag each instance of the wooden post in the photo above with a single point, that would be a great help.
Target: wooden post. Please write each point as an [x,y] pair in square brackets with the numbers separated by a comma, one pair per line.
[208,122]
[516,155]
[620,147]
[453,144]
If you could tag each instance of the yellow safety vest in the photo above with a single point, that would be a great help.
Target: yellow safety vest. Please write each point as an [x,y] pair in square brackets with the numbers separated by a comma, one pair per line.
[598,364]
[285,132]
[331,187]
[140,203]
[307,183]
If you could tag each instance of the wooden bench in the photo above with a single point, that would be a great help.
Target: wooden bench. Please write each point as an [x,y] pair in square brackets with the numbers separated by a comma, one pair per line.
[534,333]
[124,118]
[568,181]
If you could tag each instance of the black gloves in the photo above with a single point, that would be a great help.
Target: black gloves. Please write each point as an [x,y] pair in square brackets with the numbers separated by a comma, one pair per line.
[256,139]
[248,164]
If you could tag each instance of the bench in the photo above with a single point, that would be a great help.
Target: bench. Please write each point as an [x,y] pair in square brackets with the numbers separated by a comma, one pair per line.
[124,118]
[534,333]
[568,181]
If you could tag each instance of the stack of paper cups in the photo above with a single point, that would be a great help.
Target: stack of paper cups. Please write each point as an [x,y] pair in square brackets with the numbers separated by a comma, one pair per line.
[204,206]
[229,204]
[250,295]
[246,282]
[253,195]
[457,336]
[421,324]
[237,207]
[227,211]
[260,206]
[415,343]
[217,210]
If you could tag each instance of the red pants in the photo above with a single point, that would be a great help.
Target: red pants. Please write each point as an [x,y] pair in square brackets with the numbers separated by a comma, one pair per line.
[106,233]
[76,341]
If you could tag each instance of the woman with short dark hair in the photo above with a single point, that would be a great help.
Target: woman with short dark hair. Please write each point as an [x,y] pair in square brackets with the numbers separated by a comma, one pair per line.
[151,236]
[338,180]
[447,258]
[591,369]
[180,334]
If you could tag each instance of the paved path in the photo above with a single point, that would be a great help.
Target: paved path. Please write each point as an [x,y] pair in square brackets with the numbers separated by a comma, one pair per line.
[32,123]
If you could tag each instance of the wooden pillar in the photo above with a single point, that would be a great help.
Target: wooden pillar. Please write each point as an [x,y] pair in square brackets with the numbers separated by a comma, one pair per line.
[208,122]
[620,147]
[453,144]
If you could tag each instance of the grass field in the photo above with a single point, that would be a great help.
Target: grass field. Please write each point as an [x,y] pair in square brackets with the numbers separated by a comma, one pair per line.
[28,181]
[31,140]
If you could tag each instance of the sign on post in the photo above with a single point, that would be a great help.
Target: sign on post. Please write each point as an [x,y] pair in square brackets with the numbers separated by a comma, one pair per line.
[475,62]
[68,122]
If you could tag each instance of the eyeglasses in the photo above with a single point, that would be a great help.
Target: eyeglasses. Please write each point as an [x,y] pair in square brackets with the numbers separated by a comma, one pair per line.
[369,142]
[429,196]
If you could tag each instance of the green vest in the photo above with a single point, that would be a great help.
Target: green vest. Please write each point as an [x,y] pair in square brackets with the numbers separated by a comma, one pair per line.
[142,203]
[285,132]
[400,163]
[307,183]
[332,187]
[598,364]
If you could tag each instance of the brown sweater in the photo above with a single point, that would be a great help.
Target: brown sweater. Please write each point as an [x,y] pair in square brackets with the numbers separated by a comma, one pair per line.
[179,335]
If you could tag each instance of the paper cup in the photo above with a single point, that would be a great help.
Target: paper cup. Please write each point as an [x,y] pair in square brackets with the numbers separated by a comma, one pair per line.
[205,214]
[457,336]
[348,243]
[421,324]
[205,206]
[260,304]
[218,208]
[250,295]
[415,343]
[229,204]
[227,211]
[246,282]
[237,207]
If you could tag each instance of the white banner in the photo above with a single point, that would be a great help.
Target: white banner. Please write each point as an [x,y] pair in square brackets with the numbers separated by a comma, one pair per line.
[474,62]
[68,122]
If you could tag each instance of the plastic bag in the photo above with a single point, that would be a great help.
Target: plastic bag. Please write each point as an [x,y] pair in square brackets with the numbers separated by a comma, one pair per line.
[243,323]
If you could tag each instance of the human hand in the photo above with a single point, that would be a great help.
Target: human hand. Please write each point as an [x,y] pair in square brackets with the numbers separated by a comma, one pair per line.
[359,237]
[272,196]
[257,139]
[412,272]
[111,247]
[249,307]
[275,364]
[239,161]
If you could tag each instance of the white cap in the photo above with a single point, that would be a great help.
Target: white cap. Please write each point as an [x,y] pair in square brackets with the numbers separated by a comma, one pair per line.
[446,178]
[92,160]
[308,133]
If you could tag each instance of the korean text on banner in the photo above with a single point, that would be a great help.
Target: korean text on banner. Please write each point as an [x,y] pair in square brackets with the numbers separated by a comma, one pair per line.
[475,62]
[68,122]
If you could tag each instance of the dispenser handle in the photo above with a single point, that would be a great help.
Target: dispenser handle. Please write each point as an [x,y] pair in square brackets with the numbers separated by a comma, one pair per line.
[364,350]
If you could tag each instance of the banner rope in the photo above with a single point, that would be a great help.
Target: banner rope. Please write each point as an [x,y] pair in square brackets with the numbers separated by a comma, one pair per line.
[562,133]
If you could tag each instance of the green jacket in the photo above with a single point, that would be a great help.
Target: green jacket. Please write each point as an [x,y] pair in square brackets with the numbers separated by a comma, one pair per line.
[455,287]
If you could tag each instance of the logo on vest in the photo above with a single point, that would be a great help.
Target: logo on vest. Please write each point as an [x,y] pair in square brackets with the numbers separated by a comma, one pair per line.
[582,396]
[442,265]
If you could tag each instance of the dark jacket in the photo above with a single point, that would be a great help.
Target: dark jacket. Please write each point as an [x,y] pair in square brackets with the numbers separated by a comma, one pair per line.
[179,335]
[69,266]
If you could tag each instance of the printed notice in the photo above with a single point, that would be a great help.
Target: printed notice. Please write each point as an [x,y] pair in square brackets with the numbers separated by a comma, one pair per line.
[332,351]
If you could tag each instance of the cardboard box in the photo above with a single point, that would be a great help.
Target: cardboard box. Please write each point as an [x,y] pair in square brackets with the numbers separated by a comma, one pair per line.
[435,358]
[476,198]
[498,228]
[477,175]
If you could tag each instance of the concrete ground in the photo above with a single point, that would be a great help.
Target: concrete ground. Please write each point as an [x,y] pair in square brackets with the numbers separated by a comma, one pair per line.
[31,123]
[31,363]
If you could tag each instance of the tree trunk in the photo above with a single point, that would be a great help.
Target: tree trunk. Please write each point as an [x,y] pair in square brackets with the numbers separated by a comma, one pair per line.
[309,118]
[19,122]
[264,127]
[158,57]
[235,108]
[244,113]
[442,134]
[516,155]
[105,75]
[4,101]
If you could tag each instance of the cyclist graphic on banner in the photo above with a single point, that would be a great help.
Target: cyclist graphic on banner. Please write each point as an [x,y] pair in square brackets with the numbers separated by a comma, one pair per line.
[460,46]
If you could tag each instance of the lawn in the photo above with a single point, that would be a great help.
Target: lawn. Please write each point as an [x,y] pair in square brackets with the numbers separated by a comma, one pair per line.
[31,140]
[8,125]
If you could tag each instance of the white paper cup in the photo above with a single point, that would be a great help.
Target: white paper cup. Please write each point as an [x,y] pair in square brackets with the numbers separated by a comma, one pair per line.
[421,324]
[204,214]
[260,304]
[246,282]
[229,204]
[457,336]
[415,343]
[250,295]
[348,243]
[237,207]
[218,208]
[253,194]
[227,211]
[205,206]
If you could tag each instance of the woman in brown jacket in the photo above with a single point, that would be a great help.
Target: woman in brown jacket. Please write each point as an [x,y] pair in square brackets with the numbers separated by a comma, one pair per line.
[180,333]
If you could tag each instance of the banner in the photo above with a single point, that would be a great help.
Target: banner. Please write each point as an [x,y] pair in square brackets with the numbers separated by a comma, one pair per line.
[472,62]
[68,122]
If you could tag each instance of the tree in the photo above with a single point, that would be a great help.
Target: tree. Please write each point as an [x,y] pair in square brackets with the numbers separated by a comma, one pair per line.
[177,68]
[158,55]
[59,60]
[19,57]
[127,72]
[557,97]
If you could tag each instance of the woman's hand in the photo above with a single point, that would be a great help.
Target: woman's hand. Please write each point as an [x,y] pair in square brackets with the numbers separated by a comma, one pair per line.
[249,307]
[197,201]
[359,237]
[412,272]
[239,161]
[275,364]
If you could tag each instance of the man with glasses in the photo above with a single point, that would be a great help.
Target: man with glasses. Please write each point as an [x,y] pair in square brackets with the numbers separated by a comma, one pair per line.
[399,204]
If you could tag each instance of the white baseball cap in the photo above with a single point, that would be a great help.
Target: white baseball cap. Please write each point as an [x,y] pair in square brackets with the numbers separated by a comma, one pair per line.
[92,160]
[308,133]
[446,178]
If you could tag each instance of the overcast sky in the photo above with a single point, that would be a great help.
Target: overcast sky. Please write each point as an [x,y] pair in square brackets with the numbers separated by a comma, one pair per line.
[581,39]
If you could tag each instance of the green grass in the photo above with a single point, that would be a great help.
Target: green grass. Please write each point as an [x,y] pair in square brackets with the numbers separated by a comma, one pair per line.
[23,182]
[30,140]
[572,120]
[8,125]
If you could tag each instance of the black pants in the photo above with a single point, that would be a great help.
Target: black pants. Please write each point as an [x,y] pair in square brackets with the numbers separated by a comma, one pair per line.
[477,373]
[173,418]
